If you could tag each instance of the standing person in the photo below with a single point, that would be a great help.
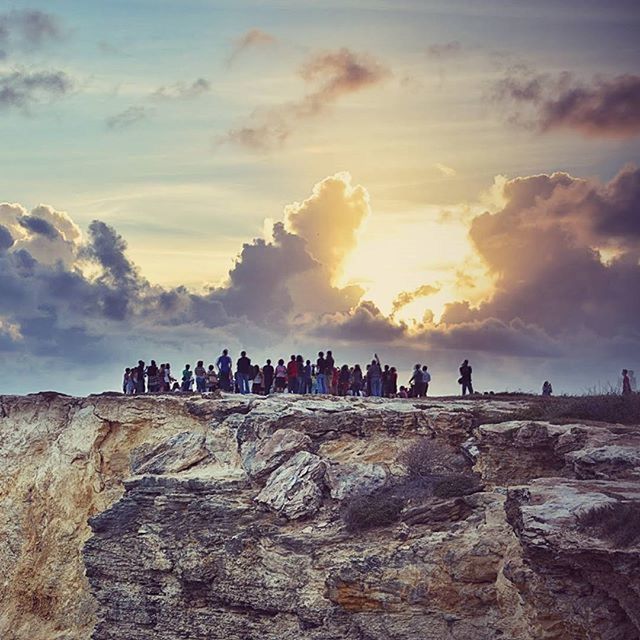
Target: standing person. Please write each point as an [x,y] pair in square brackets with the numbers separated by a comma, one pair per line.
[547,390]
[281,376]
[415,382]
[626,383]
[426,379]
[212,379]
[168,378]
[140,377]
[385,381]
[465,378]
[224,369]
[201,377]
[245,371]
[131,382]
[292,375]
[187,378]
[344,378]
[367,382]
[329,365]
[152,372]
[335,374]
[301,382]
[321,368]
[257,386]
[161,383]
[356,380]
[375,375]
[393,383]
[125,379]
[307,377]
[267,373]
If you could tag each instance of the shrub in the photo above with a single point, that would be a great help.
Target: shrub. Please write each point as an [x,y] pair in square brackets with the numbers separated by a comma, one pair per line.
[426,457]
[362,512]
[618,522]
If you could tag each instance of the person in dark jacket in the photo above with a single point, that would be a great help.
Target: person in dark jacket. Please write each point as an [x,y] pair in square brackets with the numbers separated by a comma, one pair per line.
[268,373]
[245,371]
[465,378]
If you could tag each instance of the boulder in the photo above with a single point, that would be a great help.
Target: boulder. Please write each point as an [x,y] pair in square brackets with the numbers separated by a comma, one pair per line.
[261,457]
[175,454]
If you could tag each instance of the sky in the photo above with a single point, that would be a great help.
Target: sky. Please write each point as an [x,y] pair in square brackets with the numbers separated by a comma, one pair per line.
[427,180]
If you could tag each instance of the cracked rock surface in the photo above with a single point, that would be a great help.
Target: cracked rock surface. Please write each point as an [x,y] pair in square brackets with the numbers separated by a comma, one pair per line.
[178,518]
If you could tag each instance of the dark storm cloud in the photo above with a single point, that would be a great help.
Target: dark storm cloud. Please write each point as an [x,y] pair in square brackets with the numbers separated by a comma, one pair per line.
[406,297]
[23,89]
[605,107]
[332,75]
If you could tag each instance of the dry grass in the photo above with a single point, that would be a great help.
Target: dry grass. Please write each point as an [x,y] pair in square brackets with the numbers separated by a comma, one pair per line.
[618,522]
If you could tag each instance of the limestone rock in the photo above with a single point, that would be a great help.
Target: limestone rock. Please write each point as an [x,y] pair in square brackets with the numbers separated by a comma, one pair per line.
[294,489]
[260,458]
[175,454]
[345,480]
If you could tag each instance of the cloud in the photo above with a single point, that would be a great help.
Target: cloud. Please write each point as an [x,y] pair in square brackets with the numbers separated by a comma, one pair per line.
[73,298]
[406,297]
[24,89]
[182,91]
[27,29]
[544,251]
[605,107]
[127,118]
[446,171]
[252,39]
[331,75]
[444,50]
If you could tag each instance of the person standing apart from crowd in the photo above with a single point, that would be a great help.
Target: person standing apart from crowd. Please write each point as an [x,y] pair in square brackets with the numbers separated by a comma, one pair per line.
[224,370]
[267,373]
[465,378]
[245,371]
[321,379]
[281,376]
[626,383]
[547,390]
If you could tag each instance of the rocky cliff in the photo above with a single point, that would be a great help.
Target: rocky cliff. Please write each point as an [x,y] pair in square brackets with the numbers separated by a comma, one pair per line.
[197,517]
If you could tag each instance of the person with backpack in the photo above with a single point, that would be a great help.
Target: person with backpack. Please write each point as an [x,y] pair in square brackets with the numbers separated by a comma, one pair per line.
[465,378]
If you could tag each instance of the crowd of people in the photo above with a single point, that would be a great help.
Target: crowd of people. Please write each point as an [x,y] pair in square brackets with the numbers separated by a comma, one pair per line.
[298,375]
[301,376]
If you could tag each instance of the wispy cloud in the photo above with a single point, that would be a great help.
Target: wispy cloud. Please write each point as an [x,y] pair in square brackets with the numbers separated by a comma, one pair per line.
[180,90]
[23,89]
[332,74]
[604,107]
[127,118]
[252,39]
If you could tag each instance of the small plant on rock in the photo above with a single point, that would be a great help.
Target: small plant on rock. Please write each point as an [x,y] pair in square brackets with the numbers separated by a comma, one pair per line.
[427,457]
[362,512]
[618,522]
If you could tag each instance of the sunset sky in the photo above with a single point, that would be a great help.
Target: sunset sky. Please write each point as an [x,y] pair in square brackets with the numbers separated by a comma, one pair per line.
[430,180]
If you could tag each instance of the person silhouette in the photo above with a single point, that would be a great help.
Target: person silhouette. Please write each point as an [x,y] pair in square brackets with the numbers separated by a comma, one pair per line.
[465,378]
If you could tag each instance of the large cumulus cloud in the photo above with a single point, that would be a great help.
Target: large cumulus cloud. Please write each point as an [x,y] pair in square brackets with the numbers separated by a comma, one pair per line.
[78,298]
